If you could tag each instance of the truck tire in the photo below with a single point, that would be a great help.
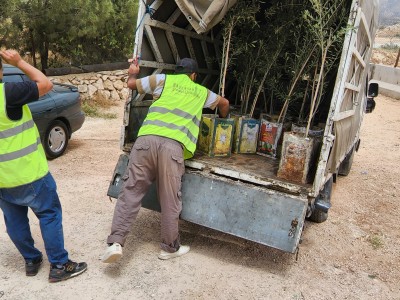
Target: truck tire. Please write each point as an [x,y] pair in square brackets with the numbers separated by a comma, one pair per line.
[319,216]
[345,165]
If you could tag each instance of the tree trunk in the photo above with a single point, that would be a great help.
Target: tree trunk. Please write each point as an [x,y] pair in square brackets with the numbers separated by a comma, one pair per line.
[397,60]
[44,54]
[33,47]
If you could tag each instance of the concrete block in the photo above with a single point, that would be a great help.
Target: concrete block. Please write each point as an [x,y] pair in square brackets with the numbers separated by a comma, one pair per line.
[388,89]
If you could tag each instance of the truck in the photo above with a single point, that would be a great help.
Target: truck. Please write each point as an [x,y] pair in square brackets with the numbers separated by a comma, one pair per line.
[242,195]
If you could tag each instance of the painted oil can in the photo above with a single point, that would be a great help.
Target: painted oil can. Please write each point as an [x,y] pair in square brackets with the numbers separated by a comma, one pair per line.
[297,153]
[270,133]
[246,134]
[215,136]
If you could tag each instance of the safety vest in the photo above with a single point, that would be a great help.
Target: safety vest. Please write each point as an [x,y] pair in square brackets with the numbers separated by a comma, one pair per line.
[22,158]
[177,113]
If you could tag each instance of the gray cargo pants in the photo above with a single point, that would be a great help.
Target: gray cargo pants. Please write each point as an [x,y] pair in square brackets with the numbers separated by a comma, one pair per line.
[152,158]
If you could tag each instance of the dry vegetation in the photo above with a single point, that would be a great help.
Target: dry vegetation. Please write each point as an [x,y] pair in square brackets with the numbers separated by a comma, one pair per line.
[387,44]
[98,106]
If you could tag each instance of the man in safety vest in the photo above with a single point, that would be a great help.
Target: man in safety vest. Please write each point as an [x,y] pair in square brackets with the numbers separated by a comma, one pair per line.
[25,180]
[168,136]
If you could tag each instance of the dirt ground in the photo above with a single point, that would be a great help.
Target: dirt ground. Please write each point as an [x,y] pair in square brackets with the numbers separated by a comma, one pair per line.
[355,254]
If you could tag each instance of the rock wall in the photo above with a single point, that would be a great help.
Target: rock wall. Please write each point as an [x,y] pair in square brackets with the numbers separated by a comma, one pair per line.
[108,84]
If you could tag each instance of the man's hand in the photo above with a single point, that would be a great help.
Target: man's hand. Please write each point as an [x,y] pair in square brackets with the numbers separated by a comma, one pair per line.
[223,106]
[11,57]
[133,72]
[134,66]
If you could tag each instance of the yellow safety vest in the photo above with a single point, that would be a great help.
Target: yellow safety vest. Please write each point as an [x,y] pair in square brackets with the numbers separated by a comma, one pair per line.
[177,113]
[22,158]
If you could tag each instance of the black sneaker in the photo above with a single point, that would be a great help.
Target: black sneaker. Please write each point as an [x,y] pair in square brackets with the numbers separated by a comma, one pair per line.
[66,271]
[32,266]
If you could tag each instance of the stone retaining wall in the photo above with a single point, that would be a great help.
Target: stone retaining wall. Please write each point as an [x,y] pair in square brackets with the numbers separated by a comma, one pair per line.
[108,84]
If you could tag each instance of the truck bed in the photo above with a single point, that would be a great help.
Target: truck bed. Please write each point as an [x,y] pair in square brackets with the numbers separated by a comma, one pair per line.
[250,168]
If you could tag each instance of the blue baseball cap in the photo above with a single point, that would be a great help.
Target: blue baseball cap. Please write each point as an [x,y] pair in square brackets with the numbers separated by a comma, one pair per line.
[186,66]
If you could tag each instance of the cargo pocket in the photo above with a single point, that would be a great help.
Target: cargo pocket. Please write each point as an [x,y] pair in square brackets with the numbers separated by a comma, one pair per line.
[177,166]
[176,172]
[139,149]
[141,146]
[135,173]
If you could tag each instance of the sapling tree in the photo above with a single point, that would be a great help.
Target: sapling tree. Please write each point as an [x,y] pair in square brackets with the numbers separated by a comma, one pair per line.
[243,15]
[324,22]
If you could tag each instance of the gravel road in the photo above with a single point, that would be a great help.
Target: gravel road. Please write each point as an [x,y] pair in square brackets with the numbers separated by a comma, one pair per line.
[353,255]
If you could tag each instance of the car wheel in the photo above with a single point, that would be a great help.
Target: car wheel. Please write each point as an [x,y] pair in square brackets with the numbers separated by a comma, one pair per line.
[56,139]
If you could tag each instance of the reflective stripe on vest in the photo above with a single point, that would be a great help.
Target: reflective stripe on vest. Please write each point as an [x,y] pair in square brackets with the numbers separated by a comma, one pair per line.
[183,129]
[14,131]
[177,113]
[22,158]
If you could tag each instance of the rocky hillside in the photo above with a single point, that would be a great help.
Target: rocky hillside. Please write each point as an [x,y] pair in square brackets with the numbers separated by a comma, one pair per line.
[386,46]
[389,12]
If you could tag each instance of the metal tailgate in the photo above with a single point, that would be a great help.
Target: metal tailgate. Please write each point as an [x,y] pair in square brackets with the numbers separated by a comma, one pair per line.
[253,212]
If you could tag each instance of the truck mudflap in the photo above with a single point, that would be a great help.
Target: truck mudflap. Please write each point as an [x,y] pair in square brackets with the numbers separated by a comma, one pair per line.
[251,212]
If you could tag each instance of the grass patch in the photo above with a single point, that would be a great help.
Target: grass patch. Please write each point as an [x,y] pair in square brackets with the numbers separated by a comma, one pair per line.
[298,297]
[390,46]
[95,106]
[375,241]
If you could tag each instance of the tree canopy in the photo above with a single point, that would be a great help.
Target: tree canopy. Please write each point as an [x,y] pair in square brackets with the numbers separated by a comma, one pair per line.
[69,32]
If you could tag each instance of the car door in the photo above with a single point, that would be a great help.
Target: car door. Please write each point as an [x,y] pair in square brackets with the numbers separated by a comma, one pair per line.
[43,112]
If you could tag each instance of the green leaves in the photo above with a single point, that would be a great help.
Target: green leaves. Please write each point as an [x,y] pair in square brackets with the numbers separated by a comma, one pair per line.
[289,43]
[69,31]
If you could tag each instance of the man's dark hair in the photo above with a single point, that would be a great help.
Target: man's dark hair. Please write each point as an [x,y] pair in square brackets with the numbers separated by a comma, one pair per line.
[186,66]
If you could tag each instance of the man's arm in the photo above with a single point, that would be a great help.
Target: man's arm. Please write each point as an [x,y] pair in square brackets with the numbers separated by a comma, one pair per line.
[215,101]
[133,72]
[223,107]
[13,58]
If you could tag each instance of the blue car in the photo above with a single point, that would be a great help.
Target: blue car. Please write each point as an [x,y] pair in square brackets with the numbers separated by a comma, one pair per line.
[57,114]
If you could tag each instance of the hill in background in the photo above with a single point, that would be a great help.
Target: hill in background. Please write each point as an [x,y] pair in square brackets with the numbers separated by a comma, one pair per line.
[389,13]
[387,40]
[386,46]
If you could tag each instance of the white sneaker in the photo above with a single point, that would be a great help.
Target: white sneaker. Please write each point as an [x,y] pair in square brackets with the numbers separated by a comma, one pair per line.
[112,254]
[167,255]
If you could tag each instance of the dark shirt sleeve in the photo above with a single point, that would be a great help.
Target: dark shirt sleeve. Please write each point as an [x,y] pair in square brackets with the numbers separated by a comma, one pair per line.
[19,94]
